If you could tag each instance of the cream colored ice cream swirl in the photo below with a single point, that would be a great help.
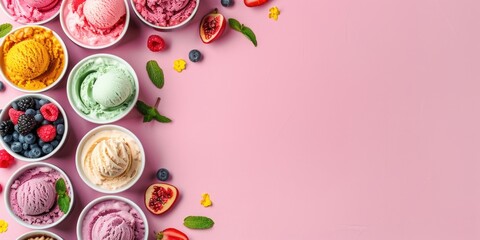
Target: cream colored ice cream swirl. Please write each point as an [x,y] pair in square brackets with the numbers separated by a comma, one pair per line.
[111,157]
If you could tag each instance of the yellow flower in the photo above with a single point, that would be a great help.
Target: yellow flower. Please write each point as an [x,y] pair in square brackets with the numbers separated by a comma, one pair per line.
[206,202]
[179,65]
[3,226]
[274,12]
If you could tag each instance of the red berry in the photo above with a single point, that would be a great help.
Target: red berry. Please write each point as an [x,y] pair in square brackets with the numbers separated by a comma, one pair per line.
[0,188]
[155,43]
[14,115]
[49,112]
[47,132]
[6,160]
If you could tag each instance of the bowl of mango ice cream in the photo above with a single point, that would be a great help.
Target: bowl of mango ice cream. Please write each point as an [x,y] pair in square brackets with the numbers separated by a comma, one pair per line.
[33,59]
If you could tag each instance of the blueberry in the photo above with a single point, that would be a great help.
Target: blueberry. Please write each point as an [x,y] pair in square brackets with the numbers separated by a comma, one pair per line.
[58,121]
[1,86]
[37,104]
[195,55]
[25,146]
[26,154]
[34,146]
[15,105]
[36,152]
[41,143]
[60,129]
[8,138]
[227,3]
[55,143]
[16,147]
[45,122]
[21,138]
[39,117]
[43,102]
[58,137]
[15,135]
[30,138]
[30,112]
[163,174]
[47,148]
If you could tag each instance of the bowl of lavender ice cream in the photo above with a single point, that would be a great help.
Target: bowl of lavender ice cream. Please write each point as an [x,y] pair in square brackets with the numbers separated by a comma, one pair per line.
[165,15]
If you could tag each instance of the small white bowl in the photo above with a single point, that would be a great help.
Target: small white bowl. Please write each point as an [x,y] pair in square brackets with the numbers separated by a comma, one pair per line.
[78,158]
[16,175]
[79,43]
[4,8]
[71,93]
[4,116]
[106,198]
[165,28]
[39,233]
[57,81]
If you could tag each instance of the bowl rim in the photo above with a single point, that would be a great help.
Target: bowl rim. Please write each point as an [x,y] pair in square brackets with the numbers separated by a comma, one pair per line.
[16,174]
[70,83]
[33,233]
[83,45]
[4,8]
[78,159]
[60,77]
[185,22]
[106,198]
[4,115]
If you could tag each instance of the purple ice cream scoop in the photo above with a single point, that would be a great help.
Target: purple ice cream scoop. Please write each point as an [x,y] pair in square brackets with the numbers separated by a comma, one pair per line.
[36,196]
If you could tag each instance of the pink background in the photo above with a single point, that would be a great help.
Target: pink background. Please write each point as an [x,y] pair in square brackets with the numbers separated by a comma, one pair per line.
[351,120]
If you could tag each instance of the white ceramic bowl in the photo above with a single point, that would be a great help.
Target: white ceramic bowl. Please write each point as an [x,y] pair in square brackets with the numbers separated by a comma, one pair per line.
[78,158]
[16,175]
[64,70]
[4,116]
[79,43]
[165,28]
[71,93]
[106,198]
[39,233]
[4,8]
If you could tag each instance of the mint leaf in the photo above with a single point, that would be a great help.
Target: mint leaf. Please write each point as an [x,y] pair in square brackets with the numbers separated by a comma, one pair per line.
[142,107]
[155,73]
[64,203]
[60,187]
[150,113]
[250,35]
[161,118]
[235,25]
[5,29]
[198,222]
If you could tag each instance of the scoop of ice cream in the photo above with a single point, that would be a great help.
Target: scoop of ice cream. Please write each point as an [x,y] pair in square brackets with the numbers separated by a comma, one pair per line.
[27,59]
[104,13]
[41,238]
[111,157]
[42,5]
[112,228]
[36,196]
[111,89]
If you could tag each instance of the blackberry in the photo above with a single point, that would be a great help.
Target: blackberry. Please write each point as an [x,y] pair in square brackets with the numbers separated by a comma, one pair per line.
[26,123]
[6,127]
[26,103]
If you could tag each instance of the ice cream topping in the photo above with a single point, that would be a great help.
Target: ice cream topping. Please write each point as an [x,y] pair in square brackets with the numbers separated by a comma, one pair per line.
[33,196]
[33,58]
[95,22]
[165,13]
[103,88]
[42,237]
[113,219]
[31,11]
[111,159]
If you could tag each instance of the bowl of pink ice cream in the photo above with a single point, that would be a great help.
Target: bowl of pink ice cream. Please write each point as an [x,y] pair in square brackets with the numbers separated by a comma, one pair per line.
[31,197]
[165,14]
[31,11]
[112,217]
[95,24]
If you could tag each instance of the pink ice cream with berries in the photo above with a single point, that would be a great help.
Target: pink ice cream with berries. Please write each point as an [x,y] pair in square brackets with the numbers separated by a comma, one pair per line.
[33,197]
[32,11]
[165,13]
[94,22]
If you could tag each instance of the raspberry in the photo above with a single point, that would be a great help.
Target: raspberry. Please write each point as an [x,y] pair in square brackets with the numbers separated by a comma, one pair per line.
[49,112]
[155,43]
[47,133]
[14,115]
[6,160]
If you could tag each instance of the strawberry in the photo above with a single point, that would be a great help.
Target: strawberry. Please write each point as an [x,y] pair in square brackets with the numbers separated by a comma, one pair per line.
[171,234]
[254,3]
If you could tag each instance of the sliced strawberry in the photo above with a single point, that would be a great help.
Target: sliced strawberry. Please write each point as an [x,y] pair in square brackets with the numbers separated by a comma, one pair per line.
[171,234]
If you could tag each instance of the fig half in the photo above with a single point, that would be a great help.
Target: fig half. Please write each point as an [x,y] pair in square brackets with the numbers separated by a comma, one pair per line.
[160,197]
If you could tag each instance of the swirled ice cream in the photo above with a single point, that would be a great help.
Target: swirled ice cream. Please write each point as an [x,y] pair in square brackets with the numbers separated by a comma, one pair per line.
[32,11]
[165,13]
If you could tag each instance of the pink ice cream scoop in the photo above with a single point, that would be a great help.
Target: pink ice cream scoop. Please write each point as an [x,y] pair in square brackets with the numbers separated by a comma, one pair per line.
[36,196]
[42,5]
[104,13]
[112,228]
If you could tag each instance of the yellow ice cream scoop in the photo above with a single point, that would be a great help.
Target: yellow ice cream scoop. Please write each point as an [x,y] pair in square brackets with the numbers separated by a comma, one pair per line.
[27,59]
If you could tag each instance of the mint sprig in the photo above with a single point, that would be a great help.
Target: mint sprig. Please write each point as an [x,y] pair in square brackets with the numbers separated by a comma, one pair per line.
[237,26]
[155,73]
[5,29]
[151,113]
[63,198]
